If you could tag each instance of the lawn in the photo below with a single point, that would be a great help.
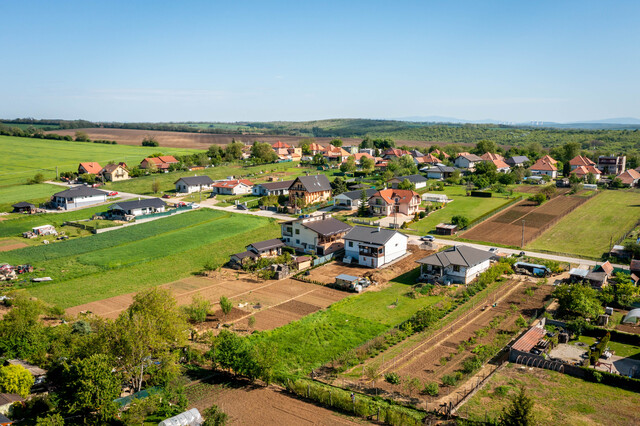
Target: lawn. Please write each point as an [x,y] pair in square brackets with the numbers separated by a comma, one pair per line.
[26,156]
[34,194]
[589,229]
[130,259]
[320,337]
[471,207]
[559,399]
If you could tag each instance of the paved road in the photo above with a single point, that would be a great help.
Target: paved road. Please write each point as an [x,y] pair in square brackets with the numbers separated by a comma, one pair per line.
[441,242]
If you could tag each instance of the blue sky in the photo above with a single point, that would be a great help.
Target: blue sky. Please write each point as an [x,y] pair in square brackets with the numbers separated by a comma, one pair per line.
[300,60]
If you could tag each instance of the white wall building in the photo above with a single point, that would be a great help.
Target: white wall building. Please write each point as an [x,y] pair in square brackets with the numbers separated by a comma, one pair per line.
[78,196]
[458,264]
[374,247]
[191,184]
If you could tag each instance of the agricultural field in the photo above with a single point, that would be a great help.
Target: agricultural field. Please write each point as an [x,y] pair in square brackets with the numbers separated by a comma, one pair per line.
[130,259]
[559,399]
[35,194]
[589,229]
[471,207]
[27,156]
[505,228]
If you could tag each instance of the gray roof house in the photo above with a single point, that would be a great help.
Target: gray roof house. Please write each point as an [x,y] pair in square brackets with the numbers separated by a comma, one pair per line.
[314,183]
[320,234]
[439,171]
[78,196]
[351,199]
[517,161]
[191,184]
[418,181]
[272,188]
[137,207]
[374,247]
[458,264]
[267,248]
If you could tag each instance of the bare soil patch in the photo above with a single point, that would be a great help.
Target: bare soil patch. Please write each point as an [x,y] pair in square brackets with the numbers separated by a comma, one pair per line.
[506,227]
[12,246]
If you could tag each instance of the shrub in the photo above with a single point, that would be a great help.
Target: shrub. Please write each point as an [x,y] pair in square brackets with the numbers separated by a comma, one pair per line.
[393,378]
[502,390]
[198,309]
[431,389]
[449,380]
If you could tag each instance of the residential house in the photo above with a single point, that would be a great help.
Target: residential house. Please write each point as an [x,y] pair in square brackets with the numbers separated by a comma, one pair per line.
[191,184]
[352,199]
[579,160]
[272,188]
[374,247]
[393,153]
[360,155]
[255,251]
[161,163]
[490,156]
[597,278]
[6,401]
[501,165]
[310,189]
[612,165]
[583,171]
[114,172]
[295,153]
[418,181]
[280,145]
[370,151]
[232,187]
[134,208]
[389,201]
[438,171]
[517,161]
[78,196]
[381,165]
[351,149]
[549,159]
[415,153]
[89,168]
[319,234]
[426,160]
[467,161]
[457,264]
[544,167]
[630,178]
[440,154]
[336,153]
[283,153]
[316,148]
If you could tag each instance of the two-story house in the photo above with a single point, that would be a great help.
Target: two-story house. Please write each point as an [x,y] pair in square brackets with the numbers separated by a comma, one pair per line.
[418,181]
[457,264]
[374,247]
[612,165]
[255,251]
[467,161]
[320,234]
[310,189]
[389,201]
[114,172]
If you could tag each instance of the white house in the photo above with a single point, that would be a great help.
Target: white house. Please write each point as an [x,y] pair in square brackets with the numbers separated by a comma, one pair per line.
[272,188]
[467,161]
[458,264]
[438,171]
[138,207]
[78,196]
[418,181]
[233,187]
[352,199]
[191,184]
[320,234]
[374,247]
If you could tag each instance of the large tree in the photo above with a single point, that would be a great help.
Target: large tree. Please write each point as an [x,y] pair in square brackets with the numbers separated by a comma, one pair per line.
[367,164]
[262,152]
[233,151]
[348,166]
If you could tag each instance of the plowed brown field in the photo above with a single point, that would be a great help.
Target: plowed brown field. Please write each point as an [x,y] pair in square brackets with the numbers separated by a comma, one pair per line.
[506,227]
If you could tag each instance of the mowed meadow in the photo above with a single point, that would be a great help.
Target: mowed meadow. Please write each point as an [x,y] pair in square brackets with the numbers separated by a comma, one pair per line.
[130,259]
[24,157]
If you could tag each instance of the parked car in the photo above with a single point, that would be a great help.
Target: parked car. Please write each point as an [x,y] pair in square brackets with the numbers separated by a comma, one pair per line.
[194,205]
[493,249]
[113,193]
[181,204]
[166,196]
[428,238]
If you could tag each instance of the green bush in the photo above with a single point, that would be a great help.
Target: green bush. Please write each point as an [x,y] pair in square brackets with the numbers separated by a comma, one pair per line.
[431,389]
[393,378]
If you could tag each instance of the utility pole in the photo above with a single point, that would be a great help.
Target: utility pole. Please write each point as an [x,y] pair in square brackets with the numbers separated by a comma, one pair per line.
[522,245]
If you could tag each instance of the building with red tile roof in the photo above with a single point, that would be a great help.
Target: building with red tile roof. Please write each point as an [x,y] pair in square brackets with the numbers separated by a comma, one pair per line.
[542,167]
[91,168]
[389,201]
[279,145]
[580,161]
[490,156]
[583,171]
[233,187]
[630,178]
[162,163]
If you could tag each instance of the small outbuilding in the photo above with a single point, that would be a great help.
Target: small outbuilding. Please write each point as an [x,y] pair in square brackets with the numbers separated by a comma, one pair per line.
[188,418]
[446,229]
[7,400]
[23,207]
[435,198]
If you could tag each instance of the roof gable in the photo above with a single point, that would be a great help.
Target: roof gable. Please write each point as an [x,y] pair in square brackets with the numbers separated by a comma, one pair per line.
[367,234]
[458,256]
[314,183]
[196,180]
[402,195]
[91,167]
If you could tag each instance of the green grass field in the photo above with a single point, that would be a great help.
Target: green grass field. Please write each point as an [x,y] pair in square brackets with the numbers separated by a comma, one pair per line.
[320,337]
[589,229]
[471,207]
[130,259]
[25,156]
[559,399]
[32,193]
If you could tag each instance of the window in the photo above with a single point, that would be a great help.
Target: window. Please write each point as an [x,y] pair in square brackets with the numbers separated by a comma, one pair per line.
[456,268]
[297,241]
[297,231]
[350,243]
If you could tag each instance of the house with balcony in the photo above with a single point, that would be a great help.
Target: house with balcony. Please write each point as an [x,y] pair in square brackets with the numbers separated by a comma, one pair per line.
[457,264]
[310,189]
[272,188]
[612,165]
[114,172]
[544,167]
[374,247]
[579,161]
[320,234]
[389,201]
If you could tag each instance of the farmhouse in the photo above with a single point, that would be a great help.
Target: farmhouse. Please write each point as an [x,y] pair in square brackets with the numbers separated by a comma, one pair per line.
[140,207]
[458,264]
[352,199]
[388,201]
[23,207]
[320,234]
[467,161]
[418,181]
[255,251]
[310,189]
[374,247]
[272,188]
[114,172]
[517,161]
[232,187]
[544,167]
[90,168]
[78,196]
[630,178]
[191,184]
[161,163]
[439,171]
[612,165]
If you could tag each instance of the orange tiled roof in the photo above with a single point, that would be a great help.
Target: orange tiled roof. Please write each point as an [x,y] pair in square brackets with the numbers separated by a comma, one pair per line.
[543,165]
[548,159]
[490,156]
[232,183]
[500,164]
[403,195]
[581,161]
[279,145]
[91,167]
